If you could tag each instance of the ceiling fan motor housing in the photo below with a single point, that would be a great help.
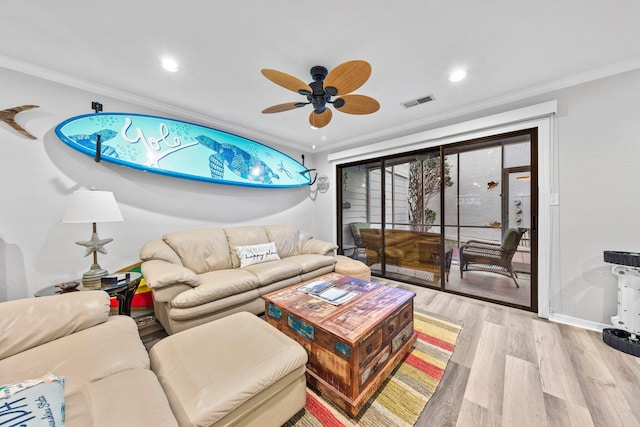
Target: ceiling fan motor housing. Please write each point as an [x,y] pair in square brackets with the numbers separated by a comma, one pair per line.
[318,73]
[318,97]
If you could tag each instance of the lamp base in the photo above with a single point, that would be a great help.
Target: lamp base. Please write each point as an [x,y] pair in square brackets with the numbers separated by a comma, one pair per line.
[91,278]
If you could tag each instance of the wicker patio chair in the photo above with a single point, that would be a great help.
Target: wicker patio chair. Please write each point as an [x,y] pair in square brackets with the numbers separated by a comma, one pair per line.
[359,252]
[492,257]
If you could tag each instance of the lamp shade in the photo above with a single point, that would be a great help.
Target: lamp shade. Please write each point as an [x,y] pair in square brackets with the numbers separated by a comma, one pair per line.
[92,206]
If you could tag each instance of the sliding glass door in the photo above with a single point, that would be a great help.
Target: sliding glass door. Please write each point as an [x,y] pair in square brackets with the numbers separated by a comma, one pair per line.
[360,208]
[459,218]
[396,231]
[490,219]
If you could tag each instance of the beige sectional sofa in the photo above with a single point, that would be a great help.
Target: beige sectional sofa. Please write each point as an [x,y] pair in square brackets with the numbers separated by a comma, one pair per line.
[197,275]
[105,365]
[210,375]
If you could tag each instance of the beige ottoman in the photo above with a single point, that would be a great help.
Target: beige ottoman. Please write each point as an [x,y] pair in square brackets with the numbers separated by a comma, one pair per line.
[238,370]
[352,267]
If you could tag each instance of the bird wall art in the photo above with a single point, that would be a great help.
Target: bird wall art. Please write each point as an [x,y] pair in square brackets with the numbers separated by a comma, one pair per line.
[9,117]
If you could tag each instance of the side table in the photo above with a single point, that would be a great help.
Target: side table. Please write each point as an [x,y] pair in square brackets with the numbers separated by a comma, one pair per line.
[123,291]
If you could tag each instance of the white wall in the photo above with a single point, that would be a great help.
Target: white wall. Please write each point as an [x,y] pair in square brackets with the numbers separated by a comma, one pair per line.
[599,176]
[593,162]
[595,171]
[38,177]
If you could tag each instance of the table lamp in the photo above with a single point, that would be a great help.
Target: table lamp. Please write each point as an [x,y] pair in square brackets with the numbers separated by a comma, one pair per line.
[93,206]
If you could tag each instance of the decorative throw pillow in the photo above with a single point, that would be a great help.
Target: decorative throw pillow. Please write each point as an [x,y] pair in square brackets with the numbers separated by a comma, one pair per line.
[255,254]
[33,403]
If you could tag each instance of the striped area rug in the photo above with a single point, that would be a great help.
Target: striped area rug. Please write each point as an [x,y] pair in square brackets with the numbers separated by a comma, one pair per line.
[404,395]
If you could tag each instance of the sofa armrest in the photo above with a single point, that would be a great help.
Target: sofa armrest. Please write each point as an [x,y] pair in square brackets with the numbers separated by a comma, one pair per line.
[159,250]
[319,247]
[166,280]
[30,322]
[159,274]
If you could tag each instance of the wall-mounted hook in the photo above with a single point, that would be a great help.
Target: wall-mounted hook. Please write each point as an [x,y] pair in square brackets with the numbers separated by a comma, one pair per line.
[98,148]
[307,170]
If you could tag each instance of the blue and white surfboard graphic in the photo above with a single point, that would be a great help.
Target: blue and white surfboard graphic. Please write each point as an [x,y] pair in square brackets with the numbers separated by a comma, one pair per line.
[181,149]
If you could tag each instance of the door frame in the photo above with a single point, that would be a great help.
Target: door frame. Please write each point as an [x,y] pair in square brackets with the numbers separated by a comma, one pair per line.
[541,116]
[495,140]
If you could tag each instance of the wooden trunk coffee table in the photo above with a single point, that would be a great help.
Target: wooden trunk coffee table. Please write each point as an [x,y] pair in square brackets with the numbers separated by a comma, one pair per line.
[352,347]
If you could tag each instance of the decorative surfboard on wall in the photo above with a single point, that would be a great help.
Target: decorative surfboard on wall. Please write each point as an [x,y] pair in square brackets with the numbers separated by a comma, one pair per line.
[181,149]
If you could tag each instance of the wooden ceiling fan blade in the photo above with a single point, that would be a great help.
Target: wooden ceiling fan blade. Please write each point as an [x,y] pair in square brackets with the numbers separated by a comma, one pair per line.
[285,80]
[348,76]
[358,104]
[320,120]
[282,107]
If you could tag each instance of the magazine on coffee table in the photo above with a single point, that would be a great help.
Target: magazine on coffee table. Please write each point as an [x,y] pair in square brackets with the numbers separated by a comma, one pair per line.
[326,291]
[315,286]
[336,296]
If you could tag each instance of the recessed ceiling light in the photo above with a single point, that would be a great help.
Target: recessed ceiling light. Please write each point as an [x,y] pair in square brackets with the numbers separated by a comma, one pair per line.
[170,64]
[457,75]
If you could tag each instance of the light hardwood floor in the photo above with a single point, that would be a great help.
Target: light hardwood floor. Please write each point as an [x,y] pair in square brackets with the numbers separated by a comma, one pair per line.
[511,368]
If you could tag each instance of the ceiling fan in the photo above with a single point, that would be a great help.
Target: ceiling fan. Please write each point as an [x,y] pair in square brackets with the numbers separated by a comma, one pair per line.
[333,87]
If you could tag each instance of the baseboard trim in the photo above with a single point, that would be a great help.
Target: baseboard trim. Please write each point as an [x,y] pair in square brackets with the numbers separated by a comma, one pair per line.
[580,323]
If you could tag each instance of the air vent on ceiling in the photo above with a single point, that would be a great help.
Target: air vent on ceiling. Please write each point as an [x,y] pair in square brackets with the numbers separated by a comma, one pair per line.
[418,101]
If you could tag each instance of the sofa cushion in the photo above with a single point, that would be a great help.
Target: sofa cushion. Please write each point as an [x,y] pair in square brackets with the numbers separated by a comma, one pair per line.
[244,236]
[511,239]
[247,301]
[274,271]
[82,357]
[216,285]
[131,398]
[255,254]
[286,239]
[310,262]
[24,325]
[201,250]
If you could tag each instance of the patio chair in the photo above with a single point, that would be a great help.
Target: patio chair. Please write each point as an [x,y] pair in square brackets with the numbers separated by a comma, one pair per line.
[492,257]
[359,252]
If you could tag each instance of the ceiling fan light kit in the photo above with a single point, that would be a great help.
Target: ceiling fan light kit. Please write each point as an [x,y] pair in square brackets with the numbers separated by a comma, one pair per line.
[332,87]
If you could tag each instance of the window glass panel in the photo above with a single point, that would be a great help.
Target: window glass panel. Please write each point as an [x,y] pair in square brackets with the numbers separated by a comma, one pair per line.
[354,197]
[411,239]
[481,189]
[388,198]
[518,154]
[400,194]
[375,196]
[451,200]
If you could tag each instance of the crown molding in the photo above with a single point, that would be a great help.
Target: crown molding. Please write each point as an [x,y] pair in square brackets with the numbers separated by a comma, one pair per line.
[100,89]
[389,133]
[565,82]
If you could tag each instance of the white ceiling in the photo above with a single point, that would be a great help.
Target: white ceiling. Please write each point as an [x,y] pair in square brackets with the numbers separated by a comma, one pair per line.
[512,49]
